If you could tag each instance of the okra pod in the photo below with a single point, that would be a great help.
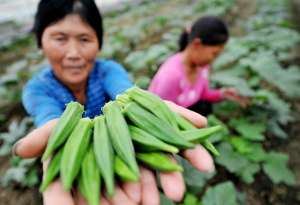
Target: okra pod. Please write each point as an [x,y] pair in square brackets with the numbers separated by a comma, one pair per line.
[64,127]
[147,142]
[119,135]
[104,153]
[123,171]
[155,126]
[89,179]
[74,150]
[52,171]
[159,161]
[199,135]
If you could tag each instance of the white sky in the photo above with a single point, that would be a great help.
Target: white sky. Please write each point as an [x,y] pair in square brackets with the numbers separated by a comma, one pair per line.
[23,10]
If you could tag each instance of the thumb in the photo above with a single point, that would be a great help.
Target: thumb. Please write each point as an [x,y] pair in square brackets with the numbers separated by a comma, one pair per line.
[34,143]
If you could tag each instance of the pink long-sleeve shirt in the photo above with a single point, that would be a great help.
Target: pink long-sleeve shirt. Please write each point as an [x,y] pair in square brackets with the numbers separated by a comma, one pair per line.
[170,83]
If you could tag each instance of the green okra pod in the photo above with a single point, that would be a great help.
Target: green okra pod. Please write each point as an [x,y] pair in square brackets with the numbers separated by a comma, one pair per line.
[104,153]
[89,178]
[74,151]
[63,128]
[147,142]
[123,171]
[159,161]
[52,171]
[119,135]
[155,126]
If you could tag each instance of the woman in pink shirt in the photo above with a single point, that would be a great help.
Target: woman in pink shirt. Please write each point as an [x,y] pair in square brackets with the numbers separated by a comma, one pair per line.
[184,77]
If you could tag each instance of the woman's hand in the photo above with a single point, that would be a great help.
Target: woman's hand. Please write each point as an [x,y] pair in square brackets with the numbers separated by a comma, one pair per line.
[233,95]
[34,143]
[145,191]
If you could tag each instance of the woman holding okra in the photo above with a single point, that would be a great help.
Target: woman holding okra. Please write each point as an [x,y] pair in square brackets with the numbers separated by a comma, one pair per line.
[70,34]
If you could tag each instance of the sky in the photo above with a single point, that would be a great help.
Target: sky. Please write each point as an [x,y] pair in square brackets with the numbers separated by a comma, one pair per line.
[23,10]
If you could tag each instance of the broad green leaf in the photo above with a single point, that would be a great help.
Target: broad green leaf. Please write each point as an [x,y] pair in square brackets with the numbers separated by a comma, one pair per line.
[237,163]
[266,65]
[232,161]
[226,78]
[241,145]
[220,194]
[248,172]
[276,168]
[136,61]
[279,106]
[278,38]
[226,108]
[234,50]
[257,154]
[249,130]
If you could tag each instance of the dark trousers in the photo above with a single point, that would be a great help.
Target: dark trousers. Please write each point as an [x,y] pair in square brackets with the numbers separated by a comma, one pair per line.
[202,107]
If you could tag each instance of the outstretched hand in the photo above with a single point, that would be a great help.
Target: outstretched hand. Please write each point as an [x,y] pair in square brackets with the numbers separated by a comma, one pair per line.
[34,143]
[145,191]
[233,95]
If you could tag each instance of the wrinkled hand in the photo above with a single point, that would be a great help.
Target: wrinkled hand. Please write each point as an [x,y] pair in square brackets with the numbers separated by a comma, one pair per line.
[145,191]
[233,95]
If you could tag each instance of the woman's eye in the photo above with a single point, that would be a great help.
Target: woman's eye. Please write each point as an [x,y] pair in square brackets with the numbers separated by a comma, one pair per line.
[84,40]
[60,39]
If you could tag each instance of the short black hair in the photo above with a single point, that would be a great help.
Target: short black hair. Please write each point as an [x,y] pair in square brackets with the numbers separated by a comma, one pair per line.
[210,29]
[52,11]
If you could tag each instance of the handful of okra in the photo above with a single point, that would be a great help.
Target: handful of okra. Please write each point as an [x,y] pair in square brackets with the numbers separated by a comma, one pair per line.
[138,127]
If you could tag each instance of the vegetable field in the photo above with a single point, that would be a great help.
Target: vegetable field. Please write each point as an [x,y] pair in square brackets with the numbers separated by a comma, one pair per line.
[259,161]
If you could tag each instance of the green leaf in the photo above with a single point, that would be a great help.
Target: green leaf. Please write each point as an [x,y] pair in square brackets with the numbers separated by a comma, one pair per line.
[257,153]
[234,50]
[280,108]
[248,172]
[190,199]
[232,161]
[241,145]
[194,179]
[237,163]
[274,128]
[32,178]
[266,65]
[249,130]
[16,174]
[164,200]
[220,194]
[143,82]
[276,168]
[226,78]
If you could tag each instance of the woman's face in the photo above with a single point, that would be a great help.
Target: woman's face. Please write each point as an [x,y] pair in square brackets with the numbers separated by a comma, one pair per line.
[204,54]
[71,46]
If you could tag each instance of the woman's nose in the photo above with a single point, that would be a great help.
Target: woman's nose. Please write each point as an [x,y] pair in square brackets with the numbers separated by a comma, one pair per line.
[73,51]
